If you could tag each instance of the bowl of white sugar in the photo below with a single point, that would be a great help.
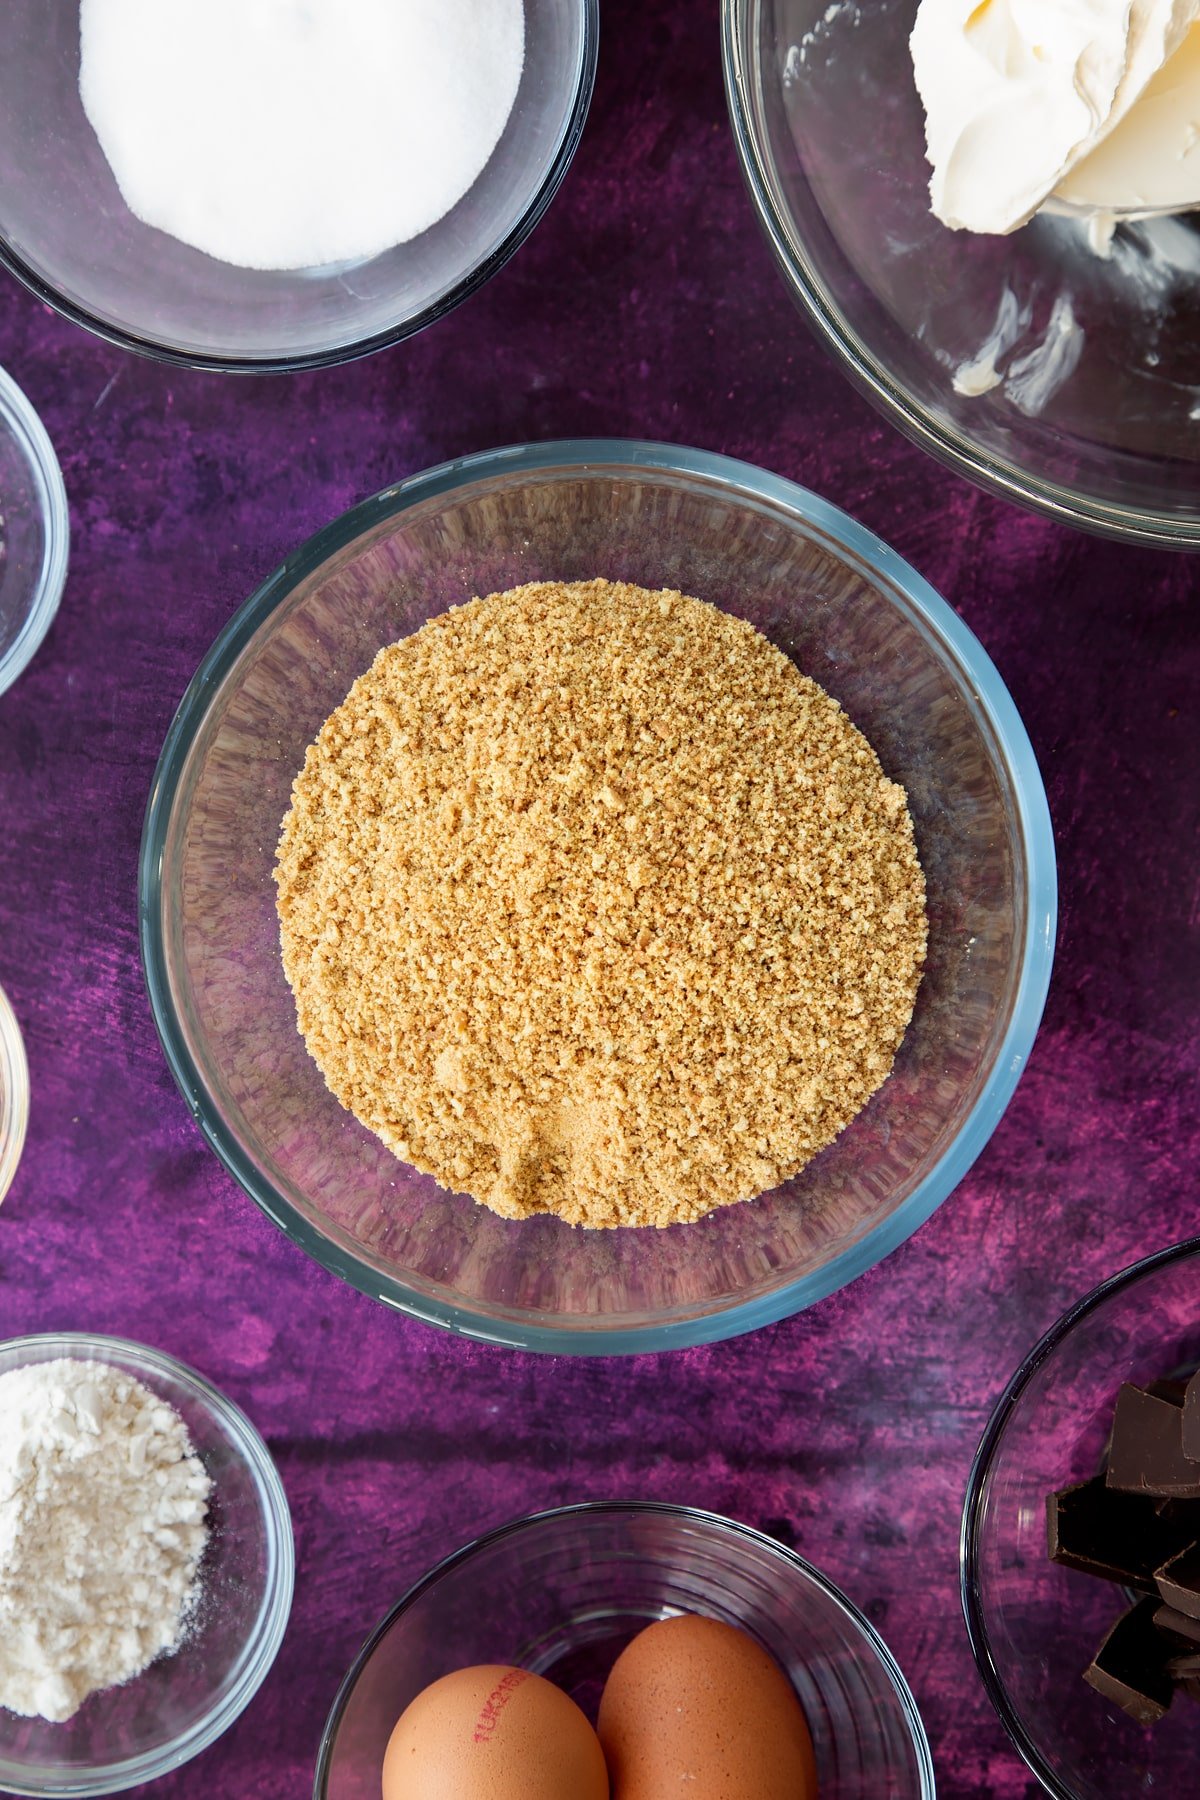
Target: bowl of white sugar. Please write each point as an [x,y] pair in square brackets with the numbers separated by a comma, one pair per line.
[146,1564]
[280,184]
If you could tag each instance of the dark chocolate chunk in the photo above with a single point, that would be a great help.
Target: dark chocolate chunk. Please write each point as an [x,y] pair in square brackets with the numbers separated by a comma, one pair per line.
[1130,1666]
[1138,1524]
[1191,1419]
[1183,1513]
[1146,1453]
[1178,1581]
[1113,1535]
[1178,1627]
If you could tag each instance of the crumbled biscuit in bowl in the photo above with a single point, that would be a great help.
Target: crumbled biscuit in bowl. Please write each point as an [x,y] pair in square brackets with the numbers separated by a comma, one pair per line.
[593,904]
[594,813]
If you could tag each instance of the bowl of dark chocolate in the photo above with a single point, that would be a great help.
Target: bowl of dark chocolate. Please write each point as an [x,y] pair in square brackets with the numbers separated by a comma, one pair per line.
[850,614]
[1080,1535]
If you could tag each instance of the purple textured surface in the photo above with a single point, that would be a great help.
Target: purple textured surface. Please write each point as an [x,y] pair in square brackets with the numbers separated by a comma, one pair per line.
[644,305]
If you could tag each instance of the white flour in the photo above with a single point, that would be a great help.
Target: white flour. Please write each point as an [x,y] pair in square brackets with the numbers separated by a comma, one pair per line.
[102,1525]
[287,134]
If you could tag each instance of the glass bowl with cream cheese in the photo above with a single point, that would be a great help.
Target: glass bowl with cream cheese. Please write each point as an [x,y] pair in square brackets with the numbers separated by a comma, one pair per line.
[280,184]
[1045,343]
[121,1736]
[851,615]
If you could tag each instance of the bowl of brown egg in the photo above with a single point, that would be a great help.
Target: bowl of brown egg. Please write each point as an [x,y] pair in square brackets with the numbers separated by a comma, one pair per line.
[633,1647]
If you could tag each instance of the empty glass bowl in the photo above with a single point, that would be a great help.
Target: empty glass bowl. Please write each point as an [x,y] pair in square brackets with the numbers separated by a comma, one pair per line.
[34,530]
[14,1094]
[1035,1626]
[1093,413]
[67,233]
[181,1703]
[562,1593]
[854,617]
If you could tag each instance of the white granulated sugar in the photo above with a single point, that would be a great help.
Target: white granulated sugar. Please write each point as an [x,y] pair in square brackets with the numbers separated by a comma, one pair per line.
[102,1526]
[287,134]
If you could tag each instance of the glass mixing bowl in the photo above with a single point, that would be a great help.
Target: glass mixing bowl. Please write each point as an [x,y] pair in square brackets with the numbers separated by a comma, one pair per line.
[14,1094]
[34,531]
[67,233]
[182,1702]
[562,1593]
[854,617]
[1094,417]
[1035,1626]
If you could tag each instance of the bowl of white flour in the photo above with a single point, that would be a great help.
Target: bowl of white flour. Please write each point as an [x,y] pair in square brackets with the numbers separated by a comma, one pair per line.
[280,184]
[146,1564]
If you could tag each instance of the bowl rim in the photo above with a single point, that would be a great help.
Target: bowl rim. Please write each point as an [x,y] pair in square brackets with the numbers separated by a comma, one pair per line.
[14,1094]
[223,362]
[593,1336]
[972,1514]
[833,329]
[18,415]
[262,1644]
[796,1565]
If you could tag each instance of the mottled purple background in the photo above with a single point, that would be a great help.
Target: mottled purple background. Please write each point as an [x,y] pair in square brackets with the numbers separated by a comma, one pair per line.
[644,305]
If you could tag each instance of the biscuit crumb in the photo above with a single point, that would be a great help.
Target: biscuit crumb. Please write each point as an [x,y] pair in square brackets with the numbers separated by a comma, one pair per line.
[593,904]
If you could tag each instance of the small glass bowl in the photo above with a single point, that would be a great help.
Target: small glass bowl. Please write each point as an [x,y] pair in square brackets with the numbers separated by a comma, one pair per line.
[66,232]
[1035,1626]
[14,1094]
[34,531]
[1092,416]
[561,1593]
[855,618]
[181,1703]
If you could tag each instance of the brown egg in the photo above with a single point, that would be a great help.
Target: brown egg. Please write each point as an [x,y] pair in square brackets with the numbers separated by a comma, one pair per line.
[493,1733]
[698,1708]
